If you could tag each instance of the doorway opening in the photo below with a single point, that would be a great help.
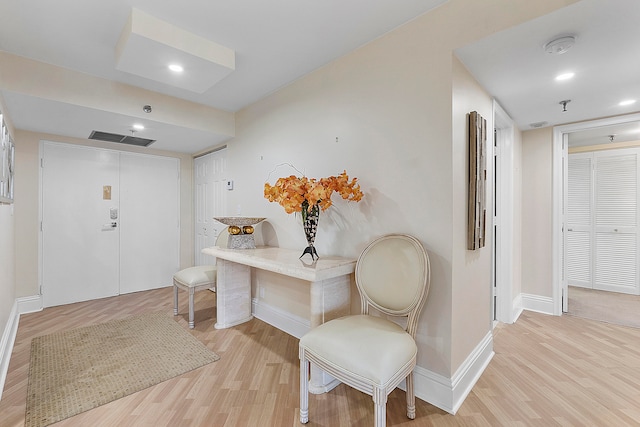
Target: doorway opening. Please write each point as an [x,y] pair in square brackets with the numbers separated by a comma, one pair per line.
[560,182]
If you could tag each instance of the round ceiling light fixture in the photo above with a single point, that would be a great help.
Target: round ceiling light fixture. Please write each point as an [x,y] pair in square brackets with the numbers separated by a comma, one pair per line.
[560,45]
[176,68]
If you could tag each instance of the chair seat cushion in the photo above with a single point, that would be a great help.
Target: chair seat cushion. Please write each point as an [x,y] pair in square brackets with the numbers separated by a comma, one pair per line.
[369,347]
[201,275]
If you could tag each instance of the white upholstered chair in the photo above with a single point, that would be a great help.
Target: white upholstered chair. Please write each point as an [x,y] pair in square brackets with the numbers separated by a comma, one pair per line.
[193,279]
[369,352]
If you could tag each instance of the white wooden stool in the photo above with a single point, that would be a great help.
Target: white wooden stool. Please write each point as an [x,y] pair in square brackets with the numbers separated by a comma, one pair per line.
[193,279]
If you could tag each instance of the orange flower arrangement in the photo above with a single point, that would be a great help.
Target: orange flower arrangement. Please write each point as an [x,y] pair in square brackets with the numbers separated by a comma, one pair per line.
[297,194]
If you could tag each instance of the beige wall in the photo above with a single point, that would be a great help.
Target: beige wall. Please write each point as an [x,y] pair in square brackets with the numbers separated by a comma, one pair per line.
[517,213]
[390,105]
[7,269]
[537,209]
[399,131]
[471,270]
[27,204]
[7,252]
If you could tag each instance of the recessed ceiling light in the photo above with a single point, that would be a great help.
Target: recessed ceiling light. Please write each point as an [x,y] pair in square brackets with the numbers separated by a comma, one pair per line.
[565,76]
[627,102]
[176,68]
[138,126]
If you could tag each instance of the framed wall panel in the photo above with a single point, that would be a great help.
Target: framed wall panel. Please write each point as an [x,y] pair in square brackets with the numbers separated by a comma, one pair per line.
[7,163]
[477,181]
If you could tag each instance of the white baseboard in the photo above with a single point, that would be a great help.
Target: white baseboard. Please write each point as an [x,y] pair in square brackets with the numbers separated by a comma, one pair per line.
[20,306]
[6,343]
[29,304]
[516,311]
[293,325]
[448,394]
[537,303]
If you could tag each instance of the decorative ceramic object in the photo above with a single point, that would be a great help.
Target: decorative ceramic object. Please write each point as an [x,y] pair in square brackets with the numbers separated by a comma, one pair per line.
[310,217]
[240,231]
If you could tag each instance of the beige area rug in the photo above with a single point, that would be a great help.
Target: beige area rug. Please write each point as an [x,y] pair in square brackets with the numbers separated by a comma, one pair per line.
[73,371]
[610,307]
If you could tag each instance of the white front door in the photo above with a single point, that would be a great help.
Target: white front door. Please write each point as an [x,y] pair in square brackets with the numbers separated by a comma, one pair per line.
[110,223]
[79,239]
[210,197]
[149,225]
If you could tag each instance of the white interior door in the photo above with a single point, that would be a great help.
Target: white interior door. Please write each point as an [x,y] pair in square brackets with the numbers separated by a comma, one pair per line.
[150,224]
[602,220]
[579,220]
[210,198]
[79,243]
[616,219]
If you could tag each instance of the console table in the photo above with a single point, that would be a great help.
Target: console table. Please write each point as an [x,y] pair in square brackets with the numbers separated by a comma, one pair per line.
[329,281]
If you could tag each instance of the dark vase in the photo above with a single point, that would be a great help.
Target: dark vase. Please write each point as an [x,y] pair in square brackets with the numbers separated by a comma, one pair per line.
[310,216]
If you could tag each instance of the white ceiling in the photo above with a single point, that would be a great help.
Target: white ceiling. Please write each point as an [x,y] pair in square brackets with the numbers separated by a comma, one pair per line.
[275,43]
[278,41]
[513,66]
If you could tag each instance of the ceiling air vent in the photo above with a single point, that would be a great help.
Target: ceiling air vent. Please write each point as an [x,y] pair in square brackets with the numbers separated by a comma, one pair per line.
[121,139]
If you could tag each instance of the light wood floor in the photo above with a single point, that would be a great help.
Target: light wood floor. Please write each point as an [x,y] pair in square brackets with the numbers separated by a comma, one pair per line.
[610,307]
[547,371]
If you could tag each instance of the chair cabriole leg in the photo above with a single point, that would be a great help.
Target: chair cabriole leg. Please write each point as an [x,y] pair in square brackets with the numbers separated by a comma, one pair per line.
[175,300]
[411,398]
[191,311]
[380,407]
[304,388]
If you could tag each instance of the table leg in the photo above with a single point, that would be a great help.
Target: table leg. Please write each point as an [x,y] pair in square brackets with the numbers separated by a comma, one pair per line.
[233,294]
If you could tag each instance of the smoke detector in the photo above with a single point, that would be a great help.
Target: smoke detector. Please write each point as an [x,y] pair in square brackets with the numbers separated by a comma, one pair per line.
[560,45]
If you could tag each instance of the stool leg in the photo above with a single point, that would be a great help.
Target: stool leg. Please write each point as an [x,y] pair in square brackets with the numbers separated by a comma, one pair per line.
[175,300]
[191,321]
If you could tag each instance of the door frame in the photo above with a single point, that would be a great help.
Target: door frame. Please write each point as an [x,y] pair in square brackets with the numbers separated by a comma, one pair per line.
[503,246]
[559,180]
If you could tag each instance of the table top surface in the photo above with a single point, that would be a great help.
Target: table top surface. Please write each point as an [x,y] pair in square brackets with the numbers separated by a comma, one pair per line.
[286,261]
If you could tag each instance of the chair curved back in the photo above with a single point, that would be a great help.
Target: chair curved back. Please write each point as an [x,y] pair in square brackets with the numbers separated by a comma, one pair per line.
[223,238]
[393,276]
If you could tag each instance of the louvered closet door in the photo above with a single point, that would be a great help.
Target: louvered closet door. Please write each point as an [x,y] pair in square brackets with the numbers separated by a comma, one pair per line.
[579,220]
[616,219]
